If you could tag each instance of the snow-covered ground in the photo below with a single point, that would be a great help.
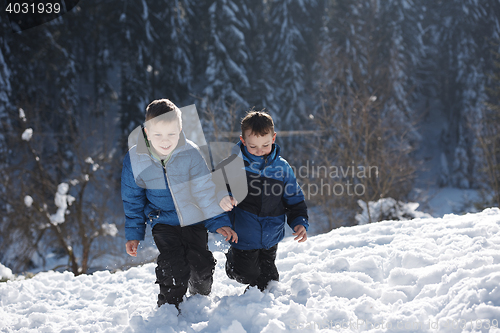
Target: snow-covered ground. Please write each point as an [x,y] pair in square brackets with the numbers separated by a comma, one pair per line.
[423,275]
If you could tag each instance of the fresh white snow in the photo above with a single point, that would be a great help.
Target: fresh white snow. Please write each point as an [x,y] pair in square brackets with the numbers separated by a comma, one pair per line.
[27,134]
[28,201]
[422,275]
[5,272]
[62,200]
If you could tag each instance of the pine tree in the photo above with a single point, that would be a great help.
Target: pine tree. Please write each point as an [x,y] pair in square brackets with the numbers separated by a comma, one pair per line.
[92,38]
[367,63]
[5,90]
[263,91]
[228,55]
[294,26]
[155,56]
[135,42]
[50,68]
[488,141]
[44,84]
[5,124]
[383,39]
[459,44]
[170,72]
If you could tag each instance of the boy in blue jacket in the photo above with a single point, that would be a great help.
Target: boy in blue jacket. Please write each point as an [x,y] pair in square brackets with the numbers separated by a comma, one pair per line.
[259,219]
[166,182]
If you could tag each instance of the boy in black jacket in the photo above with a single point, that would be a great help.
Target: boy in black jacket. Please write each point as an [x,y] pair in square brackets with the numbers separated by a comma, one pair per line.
[259,219]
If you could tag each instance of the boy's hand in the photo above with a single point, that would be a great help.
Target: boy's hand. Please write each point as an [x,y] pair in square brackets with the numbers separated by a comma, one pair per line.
[301,233]
[131,247]
[227,203]
[228,233]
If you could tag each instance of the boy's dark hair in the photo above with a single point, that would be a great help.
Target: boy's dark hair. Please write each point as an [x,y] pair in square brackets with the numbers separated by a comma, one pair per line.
[163,108]
[259,123]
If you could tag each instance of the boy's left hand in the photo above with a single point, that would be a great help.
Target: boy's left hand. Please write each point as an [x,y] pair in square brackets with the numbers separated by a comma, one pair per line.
[301,233]
[228,233]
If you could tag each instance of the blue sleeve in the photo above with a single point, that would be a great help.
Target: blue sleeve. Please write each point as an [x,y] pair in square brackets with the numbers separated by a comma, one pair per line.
[203,189]
[134,200]
[216,222]
[294,201]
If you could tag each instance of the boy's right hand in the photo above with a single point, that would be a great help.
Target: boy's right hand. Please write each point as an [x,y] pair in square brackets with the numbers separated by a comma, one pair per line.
[229,233]
[131,247]
[227,203]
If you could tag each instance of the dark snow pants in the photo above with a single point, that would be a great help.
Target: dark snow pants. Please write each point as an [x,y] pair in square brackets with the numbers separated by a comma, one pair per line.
[184,261]
[253,267]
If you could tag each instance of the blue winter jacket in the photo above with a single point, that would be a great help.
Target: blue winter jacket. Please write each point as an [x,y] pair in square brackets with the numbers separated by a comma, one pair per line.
[178,192]
[273,197]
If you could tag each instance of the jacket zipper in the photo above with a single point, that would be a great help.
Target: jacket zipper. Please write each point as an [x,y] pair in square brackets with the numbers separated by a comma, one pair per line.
[262,201]
[172,193]
[168,182]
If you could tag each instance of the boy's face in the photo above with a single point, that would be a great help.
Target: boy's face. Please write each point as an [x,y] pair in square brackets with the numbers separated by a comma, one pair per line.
[163,136]
[258,145]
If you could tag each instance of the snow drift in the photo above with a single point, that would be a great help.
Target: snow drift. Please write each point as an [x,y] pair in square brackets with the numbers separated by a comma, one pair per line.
[422,275]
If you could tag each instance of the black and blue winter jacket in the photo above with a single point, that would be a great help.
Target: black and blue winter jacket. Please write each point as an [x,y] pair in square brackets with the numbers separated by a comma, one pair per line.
[273,197]
[178,192]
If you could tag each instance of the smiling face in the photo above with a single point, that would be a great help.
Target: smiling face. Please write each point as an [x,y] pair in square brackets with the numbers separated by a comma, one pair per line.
[258,145]
[164,136]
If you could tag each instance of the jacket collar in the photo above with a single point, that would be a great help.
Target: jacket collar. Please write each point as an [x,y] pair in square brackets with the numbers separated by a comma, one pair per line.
[271,157]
